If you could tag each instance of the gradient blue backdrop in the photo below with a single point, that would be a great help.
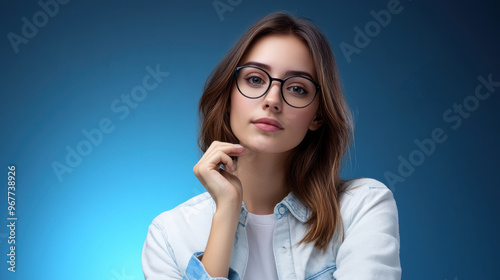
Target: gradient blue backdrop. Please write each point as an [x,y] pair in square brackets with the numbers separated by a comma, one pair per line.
[93,222]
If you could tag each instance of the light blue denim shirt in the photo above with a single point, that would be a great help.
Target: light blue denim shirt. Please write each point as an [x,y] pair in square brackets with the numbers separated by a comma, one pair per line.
[177,238]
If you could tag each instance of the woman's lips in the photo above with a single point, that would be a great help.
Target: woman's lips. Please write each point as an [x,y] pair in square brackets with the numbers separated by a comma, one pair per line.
[267,124]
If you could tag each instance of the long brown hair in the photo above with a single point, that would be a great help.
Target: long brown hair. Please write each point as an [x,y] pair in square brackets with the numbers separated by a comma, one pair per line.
[314,171]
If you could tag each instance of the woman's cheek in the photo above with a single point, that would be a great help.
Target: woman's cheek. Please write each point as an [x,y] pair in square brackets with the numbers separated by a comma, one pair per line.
[238,113]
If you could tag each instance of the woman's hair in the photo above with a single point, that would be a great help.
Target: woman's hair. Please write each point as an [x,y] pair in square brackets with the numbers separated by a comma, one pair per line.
[314,171]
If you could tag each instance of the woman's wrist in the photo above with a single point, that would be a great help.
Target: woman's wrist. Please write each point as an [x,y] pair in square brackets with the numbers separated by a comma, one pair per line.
[227,212]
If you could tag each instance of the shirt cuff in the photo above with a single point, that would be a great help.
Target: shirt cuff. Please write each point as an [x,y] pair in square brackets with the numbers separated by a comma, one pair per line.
[196,271]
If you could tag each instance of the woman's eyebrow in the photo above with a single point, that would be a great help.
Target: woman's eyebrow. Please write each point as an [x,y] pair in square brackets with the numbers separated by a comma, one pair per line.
[287,74]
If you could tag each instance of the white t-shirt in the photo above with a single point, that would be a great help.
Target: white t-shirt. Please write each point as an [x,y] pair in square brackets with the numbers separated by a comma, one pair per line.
[261,264]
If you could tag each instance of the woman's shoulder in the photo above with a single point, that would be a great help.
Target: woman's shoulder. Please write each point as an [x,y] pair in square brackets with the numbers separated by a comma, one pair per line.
[365,194]
[196,208]
[364,184]
[181,231]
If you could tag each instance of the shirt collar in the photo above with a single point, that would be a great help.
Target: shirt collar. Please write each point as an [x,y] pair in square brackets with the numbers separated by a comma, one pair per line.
[298,209]
[291,203]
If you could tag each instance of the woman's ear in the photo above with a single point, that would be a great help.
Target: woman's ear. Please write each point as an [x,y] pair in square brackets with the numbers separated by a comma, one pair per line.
[316,123]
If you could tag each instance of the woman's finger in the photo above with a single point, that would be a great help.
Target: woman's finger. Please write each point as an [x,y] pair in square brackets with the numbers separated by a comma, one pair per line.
[228,148]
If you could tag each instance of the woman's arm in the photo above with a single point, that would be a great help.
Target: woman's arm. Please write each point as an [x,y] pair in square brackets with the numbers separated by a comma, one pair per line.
[157,260]
[371,246]
[217,255]
[227,193]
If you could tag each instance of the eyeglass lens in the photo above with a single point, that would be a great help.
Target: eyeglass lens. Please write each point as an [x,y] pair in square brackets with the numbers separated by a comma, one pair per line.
[297,91]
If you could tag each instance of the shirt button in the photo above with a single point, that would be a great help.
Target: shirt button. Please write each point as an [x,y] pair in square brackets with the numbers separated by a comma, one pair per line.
[282,210]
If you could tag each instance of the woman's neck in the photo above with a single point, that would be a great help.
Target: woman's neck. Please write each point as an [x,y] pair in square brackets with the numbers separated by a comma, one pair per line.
[263,179]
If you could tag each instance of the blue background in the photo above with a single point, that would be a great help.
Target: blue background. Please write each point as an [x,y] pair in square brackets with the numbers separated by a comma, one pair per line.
[93,222]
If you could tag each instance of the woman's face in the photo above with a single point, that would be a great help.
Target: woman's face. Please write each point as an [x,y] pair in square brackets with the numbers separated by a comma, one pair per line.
[251,119]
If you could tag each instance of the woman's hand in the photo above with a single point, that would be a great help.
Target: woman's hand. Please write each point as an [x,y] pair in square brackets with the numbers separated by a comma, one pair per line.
[224,187]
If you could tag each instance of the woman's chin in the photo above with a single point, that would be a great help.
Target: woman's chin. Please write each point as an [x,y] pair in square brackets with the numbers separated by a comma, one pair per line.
[263,148]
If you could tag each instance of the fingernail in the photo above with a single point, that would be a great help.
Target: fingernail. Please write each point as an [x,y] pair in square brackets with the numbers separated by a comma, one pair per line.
[238,146]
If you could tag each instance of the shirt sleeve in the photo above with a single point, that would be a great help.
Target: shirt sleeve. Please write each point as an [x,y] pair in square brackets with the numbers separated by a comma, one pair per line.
[196,270]
[371,246]
[159,263]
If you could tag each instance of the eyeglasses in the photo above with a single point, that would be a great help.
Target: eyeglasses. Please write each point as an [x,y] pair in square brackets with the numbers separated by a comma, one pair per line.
[297,91]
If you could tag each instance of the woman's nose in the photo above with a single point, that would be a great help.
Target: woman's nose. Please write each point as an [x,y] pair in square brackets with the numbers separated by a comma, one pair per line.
[272,98]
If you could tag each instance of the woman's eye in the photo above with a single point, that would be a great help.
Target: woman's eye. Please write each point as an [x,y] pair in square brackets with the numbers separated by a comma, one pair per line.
[297,90]
[255,80]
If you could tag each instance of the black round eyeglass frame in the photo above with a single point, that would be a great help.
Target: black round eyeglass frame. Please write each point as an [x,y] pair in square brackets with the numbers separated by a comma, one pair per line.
[271,79]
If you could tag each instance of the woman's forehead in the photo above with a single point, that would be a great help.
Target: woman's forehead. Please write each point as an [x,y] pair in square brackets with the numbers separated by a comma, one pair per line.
[280,54]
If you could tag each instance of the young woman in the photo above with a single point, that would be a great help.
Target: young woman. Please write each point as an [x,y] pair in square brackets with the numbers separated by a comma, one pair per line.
[274,129]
